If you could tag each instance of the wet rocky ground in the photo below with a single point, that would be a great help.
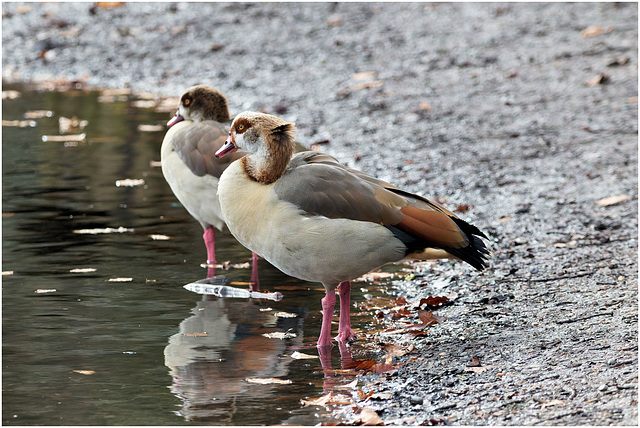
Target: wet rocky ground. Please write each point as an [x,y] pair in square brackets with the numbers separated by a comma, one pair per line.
[523,117]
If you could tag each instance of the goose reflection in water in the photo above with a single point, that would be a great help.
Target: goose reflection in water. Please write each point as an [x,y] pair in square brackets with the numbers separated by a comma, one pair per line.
[218,348]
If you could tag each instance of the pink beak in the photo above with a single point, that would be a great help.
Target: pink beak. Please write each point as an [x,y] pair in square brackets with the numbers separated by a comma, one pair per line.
[228,147]
[177,118]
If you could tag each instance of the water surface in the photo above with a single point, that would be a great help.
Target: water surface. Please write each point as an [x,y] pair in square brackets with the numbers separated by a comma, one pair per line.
[98,352]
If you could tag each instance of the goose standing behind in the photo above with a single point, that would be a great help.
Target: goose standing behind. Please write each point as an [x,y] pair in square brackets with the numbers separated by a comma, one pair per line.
[320,221]
[189,164]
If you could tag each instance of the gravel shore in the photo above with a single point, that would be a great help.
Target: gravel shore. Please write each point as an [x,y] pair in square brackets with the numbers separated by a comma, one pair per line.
[521,116]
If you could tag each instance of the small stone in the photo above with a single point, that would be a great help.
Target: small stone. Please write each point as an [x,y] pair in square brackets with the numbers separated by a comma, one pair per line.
[415,400]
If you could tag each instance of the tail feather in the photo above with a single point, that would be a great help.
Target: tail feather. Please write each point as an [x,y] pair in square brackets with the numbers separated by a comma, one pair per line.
[436,227]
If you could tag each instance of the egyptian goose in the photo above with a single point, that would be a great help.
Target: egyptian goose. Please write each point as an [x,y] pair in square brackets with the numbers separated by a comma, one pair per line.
[189,164]
[319,221]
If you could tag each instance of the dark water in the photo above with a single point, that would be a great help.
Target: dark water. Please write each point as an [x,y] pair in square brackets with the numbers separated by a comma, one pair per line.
[139,338]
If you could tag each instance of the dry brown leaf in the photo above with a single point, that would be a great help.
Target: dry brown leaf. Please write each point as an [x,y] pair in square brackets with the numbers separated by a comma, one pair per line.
[612,200]
[382,396]
[325,400]
[268,381]
[370,417]
[109,4]
[424,106]
[595,30]
[599,79]
[300,356]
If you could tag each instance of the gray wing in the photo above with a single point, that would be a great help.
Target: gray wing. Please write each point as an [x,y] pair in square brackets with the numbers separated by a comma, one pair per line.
[197,144]
[317,184]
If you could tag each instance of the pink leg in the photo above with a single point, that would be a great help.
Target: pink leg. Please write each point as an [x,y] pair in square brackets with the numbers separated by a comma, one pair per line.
[210,242]
[255,283]
[328,303]
[345,333]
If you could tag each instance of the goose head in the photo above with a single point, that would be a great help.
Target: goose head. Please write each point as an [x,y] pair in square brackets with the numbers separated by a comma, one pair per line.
[201,102]
[270,141]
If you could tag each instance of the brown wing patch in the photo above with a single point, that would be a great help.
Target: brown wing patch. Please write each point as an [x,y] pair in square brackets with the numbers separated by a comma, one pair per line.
[433,226]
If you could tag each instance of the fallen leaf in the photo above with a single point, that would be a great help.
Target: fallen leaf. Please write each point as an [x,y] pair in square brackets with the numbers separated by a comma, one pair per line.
[71,125]
[428,318]
[109,4]
[400,301]
[364,75]
[394,350]
[477,369]
[280,335]
[621,60]
[19,123]
[151,128]
[612,200]
[64,138]
[599,79]
[382,396]
[363,396]
[10,95]
[144,104]
[268,381]
[424,106]
[334,22]
[370,417]
[159,237]
[325,400]
[462,208]
[300,356]
[104,230]
[82,270]
[554,402]
[367,85]
[434,302]
[84,372]
[130,182]
[349,385]
[595,30]
[285,315]
[38,114]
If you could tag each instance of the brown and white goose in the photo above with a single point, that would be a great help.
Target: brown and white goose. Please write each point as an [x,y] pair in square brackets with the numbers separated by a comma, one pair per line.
[320,221]
[189,164]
